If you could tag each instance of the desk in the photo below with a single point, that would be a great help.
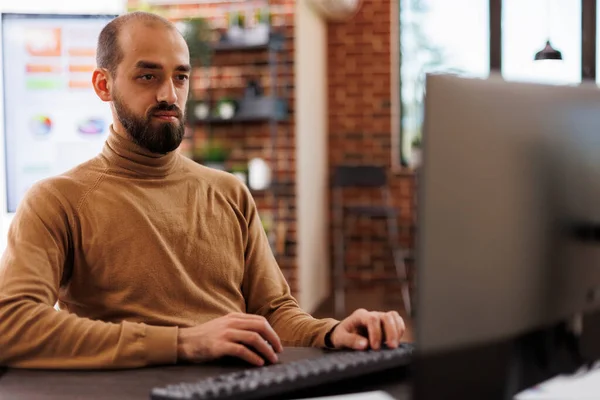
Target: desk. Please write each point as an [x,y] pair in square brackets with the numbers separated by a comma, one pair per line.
[134,383]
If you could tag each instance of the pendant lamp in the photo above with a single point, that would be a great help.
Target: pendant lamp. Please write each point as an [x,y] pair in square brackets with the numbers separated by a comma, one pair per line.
[548,53]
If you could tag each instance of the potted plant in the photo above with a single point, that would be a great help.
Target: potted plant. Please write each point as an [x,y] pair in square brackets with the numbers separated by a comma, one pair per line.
[416,153]
[212,155]
[236,22]
[263,16]
[259,33]
[225,108]
[196,32]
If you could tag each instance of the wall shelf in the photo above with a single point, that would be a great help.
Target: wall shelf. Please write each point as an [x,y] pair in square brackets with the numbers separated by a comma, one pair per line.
[256,110]
[275,42]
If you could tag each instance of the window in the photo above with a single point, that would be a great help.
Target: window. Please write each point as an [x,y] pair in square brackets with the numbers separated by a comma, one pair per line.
[454,36]
[438,36]
[527,25]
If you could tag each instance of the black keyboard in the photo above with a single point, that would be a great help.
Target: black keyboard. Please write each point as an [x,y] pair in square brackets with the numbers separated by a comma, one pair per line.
[282,379]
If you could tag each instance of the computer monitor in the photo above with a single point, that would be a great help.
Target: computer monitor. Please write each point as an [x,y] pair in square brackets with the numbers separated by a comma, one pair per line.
[508,238]
[52,118]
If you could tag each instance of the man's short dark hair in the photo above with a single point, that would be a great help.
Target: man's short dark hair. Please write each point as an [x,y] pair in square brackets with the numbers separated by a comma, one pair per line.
[109,53]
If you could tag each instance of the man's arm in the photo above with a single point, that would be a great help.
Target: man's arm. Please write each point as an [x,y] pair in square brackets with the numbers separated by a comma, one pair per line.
[32,333]
[268,294]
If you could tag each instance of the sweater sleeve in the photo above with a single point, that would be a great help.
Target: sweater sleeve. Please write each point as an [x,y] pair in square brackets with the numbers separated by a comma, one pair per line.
[33,334]
[268,294]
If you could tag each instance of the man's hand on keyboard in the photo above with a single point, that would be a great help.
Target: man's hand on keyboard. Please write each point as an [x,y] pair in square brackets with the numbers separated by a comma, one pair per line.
[238,335]
[364,329]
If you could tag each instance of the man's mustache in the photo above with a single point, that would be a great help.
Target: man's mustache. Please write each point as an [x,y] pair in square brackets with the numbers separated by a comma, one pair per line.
[164,106]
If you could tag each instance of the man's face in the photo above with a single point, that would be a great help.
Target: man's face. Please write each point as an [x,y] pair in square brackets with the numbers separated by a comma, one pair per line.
[150,86]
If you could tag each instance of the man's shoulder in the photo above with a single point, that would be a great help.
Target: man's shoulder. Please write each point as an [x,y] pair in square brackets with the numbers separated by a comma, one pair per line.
[222,182]
[68,187]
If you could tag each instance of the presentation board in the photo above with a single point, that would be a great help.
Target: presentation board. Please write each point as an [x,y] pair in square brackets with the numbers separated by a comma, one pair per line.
[53,120]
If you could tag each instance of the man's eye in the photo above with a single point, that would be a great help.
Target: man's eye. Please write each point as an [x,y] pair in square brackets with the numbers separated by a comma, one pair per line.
[147,77]
[182,77]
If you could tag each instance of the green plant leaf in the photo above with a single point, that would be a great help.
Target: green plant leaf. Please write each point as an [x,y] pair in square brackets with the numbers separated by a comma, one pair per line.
[197,34]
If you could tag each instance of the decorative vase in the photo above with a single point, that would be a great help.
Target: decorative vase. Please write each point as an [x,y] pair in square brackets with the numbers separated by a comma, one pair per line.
[416,157]
[235,34]
[258,34]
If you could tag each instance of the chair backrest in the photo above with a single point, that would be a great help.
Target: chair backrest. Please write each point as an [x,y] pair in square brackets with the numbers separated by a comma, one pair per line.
[359,176]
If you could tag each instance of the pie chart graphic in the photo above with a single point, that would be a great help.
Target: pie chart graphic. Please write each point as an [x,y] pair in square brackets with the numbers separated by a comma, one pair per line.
[92,126]
[40,125]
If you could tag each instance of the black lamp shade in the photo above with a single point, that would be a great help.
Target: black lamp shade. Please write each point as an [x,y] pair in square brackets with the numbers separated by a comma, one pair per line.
[548,53]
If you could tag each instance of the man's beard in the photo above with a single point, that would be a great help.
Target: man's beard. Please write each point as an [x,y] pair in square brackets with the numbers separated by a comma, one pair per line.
[162,138]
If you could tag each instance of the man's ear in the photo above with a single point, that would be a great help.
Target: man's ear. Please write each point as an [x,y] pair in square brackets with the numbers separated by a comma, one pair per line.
[102,84]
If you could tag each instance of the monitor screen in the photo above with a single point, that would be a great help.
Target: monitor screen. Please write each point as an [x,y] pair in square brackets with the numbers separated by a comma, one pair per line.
[53,120]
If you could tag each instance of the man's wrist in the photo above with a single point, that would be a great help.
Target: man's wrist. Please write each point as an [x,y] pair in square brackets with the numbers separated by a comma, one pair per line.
[181,345]
[328,343]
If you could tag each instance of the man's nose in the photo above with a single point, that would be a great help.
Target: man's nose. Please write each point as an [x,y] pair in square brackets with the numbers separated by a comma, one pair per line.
[167,92]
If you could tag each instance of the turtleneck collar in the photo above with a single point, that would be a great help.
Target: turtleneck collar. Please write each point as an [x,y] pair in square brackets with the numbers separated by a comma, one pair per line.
[126,154]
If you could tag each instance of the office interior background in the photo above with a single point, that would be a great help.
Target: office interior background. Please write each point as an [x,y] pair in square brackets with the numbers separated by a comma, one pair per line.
[348,87]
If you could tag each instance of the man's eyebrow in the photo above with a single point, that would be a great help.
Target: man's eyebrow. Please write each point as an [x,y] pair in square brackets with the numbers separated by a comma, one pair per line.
[148,65]
[184,68]
[152,65]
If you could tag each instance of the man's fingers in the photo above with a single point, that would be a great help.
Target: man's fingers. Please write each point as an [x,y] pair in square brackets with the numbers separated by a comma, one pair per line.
[391,330]
[242,352]
[374,327]
[262,327]
[256,342]
[400,324]
[351,341]
[356,342]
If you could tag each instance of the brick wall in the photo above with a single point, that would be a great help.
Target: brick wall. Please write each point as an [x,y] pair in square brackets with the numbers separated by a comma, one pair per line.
[360,123]
[227,76]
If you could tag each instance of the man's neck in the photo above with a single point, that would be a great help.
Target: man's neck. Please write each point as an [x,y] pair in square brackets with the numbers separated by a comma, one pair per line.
[119,129]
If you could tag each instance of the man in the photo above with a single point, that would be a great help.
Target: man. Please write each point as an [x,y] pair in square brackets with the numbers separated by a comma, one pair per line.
[153,259]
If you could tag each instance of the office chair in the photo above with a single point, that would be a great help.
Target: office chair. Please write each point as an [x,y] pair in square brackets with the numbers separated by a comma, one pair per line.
[367,178]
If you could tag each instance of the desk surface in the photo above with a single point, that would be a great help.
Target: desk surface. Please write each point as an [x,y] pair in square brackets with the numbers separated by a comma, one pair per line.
[135,383]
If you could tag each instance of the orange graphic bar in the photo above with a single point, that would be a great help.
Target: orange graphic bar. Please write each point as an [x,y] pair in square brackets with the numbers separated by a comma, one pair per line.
[81,68]
[35,68]
[80,84]
[82,52]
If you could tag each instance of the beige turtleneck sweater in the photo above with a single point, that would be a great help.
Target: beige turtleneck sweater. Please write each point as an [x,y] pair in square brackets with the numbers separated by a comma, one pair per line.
[134,245]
